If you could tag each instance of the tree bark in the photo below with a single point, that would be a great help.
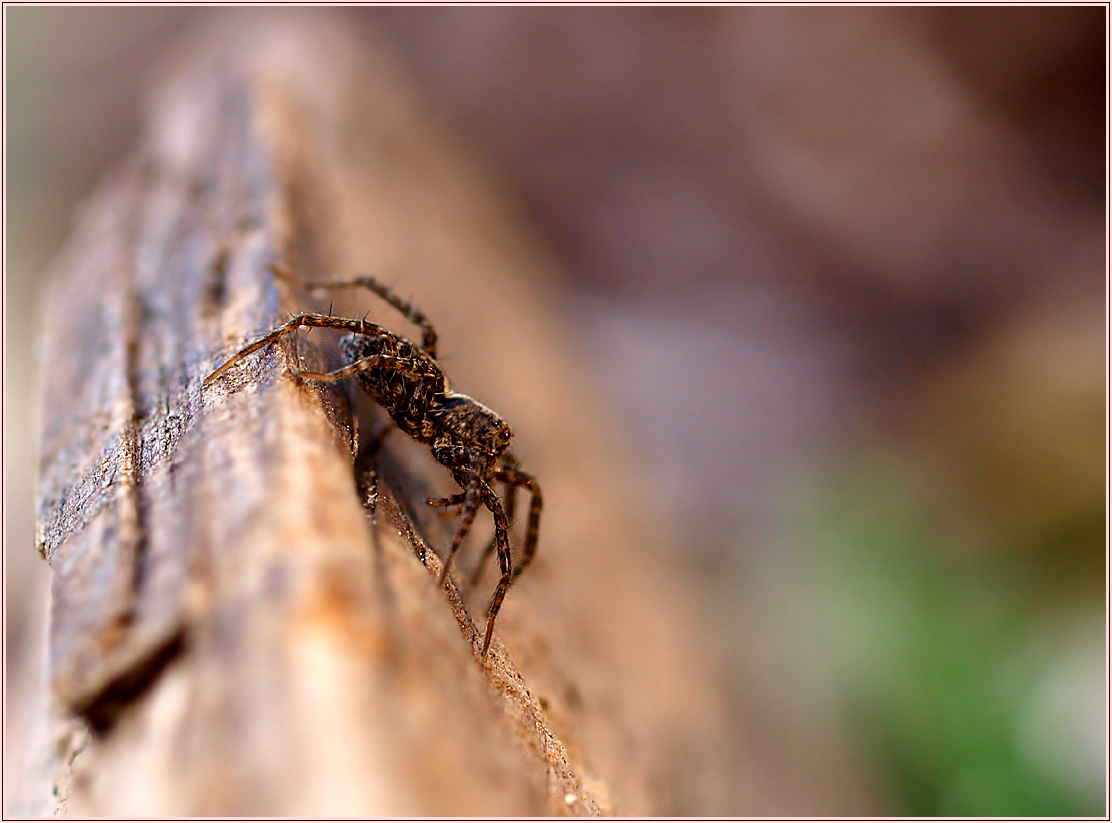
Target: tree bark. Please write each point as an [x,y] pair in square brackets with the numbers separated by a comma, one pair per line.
[246,618]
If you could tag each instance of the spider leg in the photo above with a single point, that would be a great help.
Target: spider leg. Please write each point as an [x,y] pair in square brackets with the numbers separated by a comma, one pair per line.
[509,504]
[402,364]
[473,499]
[514,478]
[447,503]
[502,541]
[286,328]
[417,318]
[307,319]
[465,467]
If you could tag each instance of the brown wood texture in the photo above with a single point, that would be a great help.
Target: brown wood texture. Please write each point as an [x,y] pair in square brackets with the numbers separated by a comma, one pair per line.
[246,622]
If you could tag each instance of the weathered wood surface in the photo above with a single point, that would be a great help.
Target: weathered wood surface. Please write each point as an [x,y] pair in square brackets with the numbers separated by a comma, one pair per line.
[246,622]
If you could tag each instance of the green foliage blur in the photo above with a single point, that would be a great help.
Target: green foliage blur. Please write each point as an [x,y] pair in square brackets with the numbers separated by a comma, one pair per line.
[972,670]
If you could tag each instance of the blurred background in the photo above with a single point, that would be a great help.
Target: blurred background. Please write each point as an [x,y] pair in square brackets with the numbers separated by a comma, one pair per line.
[842,273]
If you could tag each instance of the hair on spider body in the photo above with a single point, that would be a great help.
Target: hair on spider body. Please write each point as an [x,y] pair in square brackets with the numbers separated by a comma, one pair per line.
[464,436]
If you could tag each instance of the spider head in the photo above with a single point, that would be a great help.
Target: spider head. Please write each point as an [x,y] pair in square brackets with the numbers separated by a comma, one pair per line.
[469,423]
[499,435]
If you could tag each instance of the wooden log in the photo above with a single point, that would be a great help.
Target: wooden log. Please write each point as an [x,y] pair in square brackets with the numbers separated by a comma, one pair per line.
[246,618]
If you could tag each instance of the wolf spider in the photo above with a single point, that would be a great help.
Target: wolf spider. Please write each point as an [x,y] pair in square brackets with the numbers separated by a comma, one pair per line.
[465,436]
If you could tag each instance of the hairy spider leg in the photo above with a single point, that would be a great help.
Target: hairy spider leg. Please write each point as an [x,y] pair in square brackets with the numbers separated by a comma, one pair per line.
[401,364]
[449,502]
[309,320]
[509,503]
[472,494]
[469,512]
[415,316]
[502,539]
[452,455]
[514,478]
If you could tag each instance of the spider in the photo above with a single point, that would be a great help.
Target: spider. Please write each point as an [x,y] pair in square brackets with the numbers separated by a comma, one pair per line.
[466,437]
